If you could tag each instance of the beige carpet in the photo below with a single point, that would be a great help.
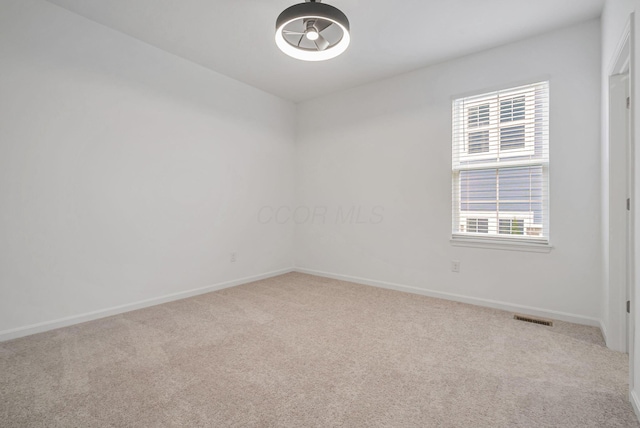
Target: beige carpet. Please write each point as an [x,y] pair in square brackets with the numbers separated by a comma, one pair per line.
[303,351]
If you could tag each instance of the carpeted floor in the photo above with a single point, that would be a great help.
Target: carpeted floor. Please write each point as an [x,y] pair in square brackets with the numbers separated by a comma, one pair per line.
[303,351]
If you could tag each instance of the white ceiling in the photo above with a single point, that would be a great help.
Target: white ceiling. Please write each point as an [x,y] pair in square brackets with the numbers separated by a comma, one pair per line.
[389,37]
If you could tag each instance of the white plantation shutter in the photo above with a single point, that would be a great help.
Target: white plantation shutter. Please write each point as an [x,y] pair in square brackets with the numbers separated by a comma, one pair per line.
[500,165]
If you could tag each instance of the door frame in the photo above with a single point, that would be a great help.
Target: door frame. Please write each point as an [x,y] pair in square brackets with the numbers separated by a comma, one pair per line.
[620,247]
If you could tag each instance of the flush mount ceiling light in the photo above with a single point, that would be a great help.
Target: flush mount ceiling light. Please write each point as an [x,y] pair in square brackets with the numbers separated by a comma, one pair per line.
[312,31]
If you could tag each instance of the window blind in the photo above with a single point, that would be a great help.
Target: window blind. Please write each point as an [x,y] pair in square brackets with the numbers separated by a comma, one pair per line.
[500,164]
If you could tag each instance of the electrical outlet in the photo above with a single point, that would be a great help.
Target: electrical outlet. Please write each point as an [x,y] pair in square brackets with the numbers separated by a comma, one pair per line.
[234,256]
[455,266]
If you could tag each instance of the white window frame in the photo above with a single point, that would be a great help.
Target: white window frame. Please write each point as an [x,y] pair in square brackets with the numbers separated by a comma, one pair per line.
[495,158]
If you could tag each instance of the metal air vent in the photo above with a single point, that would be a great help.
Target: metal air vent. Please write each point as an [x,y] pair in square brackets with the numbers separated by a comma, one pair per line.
[533,320]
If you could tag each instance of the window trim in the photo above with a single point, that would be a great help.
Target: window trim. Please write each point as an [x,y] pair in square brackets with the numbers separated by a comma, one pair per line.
[505,241]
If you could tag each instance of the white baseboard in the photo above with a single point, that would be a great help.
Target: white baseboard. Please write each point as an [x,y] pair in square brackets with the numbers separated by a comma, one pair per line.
[527,310]
[635,403]
[77,319]
[90,316]
[603,330]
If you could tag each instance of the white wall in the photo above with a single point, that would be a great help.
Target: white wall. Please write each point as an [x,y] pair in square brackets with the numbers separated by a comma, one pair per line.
[127,173]
[615,16]
[388,145]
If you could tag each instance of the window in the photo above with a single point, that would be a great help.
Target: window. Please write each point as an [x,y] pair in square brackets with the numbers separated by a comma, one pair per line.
[478,225]
[500,165]
[511,227]
[478,142]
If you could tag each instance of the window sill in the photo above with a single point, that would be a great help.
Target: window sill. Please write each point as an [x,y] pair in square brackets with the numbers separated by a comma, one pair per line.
[501,244]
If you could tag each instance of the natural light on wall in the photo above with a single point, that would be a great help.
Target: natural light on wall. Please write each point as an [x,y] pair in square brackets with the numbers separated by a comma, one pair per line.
[500,165]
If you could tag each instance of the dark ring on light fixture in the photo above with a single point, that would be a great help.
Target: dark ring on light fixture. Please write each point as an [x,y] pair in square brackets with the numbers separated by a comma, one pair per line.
[313,10]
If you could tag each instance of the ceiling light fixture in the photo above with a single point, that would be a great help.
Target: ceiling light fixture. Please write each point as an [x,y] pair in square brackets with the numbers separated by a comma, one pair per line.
[312,31]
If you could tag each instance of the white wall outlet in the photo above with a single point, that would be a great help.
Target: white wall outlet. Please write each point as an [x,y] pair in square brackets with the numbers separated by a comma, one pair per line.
[455,266]
[234,256]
